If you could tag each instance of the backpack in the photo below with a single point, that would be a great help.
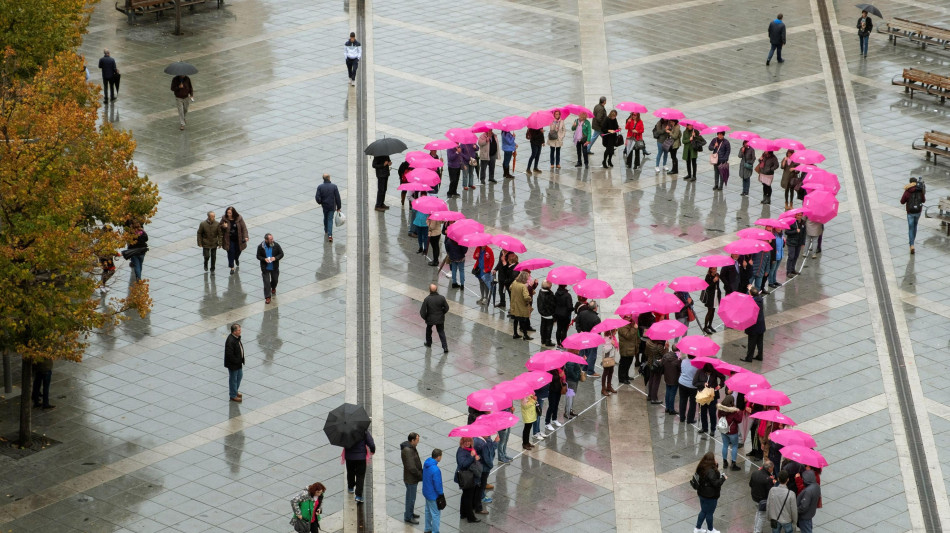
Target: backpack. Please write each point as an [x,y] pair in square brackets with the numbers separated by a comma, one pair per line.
[914,203]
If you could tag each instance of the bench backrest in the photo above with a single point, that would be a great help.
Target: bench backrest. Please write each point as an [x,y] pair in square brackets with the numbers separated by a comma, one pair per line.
[917,27]
[937,137]
[928,78]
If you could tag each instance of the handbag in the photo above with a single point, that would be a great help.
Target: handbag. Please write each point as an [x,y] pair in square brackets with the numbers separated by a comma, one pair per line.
[639,145]
[702,297]
[339,219]
[299,525]
[774,522]
[466,479]
[475,271]
[714,156]
[747,165]
[689,311]
[552,134]
[667,144]
[697,145]
[563,390]
[440,501]
[608,362]
[705,396]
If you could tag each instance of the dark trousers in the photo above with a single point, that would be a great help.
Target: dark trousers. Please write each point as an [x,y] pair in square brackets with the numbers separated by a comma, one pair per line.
[776,48]
[489,167]
[209,253]
[454,174]
[523,322]
[109,89]
[691,168]
[535,156]
[756,340]
[467,508]
[270,281]
[526,434]
[234,252]
[351,65]
[440,328]
[717,178]
[687,396]
[554,401]
[581,153]
[625,363]
[653,392]
[480,491]
[791,263]
[41,380]
[434,246]
[355,474]
[563,322]
[675,169]
[707,417]
[555,155]
[381,191]
[547,324]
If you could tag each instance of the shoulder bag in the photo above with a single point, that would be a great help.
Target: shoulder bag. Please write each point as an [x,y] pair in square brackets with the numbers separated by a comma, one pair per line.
[552,133]
[774,522]
[714,155]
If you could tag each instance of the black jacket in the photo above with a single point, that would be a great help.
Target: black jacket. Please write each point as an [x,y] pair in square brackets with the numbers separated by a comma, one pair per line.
[586,320]
[777,32]
[761,483]
[710,483]
[729,275]
[455,251]
[563,303]
[379,163]
[759,326]
[793,235]
[868,26]
[261,255]
[434,308]
[546,303]
[233,353]
[328,197]
[107,65]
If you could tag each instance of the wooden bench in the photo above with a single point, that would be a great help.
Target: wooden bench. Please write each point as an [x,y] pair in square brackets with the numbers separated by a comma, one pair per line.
[919,80]
[143,7]
[922,34]
[934,142]
[943,213]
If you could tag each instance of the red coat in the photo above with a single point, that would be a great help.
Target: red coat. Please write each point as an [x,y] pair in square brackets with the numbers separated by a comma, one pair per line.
[489,261]
[634,130]
[800,484]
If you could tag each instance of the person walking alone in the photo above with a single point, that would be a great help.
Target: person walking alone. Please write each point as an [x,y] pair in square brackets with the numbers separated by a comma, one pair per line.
[328,197]
[42,376]
[110,77]
[383,165]
[269,253]
[776,39]
[209,238]
[184,94]
[597,122]
[234,362]
[411,475]
[352,52]
[708,486]
[432,490]
[136,251]
[865,26]
[356,457]
[433,311]
[913,201]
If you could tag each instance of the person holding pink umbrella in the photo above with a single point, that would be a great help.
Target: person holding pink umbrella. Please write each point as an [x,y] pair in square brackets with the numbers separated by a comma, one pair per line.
[556,389]
[610,137]
[652,369]
[438,170]
[776,255]
[710,296]
[629,338]
[692,143]
[582,138]
[529,415]
[470,165]
[563,308]
[484,259]
[468,462]
[508,146]
[746,165]
[788,175]
[635,144]
[794,238]
[813,231]
[456,160]
[556,132]
[719,149]
[756,332]
[766,168]
[662,132]
[708,376]
[535,138]
[487,154]
[671,373]
[546,307]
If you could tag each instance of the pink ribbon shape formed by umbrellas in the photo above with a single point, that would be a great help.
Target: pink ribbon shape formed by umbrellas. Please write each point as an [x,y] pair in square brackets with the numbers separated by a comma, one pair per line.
[488,400]
[608,324]
[792,437]
[632,107]
[743,135]
[461,136]
[593,288]
[820,206]
[715,261]
[440,144]
[414,187]
[756,233]
[463,227]
[582,341]
[665,330]
[789,144]
[634,309]
[669,113]
[509,243]
[747,246]
[738,310]
[533,264]
[807,157]
[429,204]
[636,294]
[535,379]
[497,421]
[805,456]
[512,123]
[698,345]
[664,302]
[773,416]
[747,382]
[565,275]
[471,430]
[768,397]
[688,284]
[446,216]
[540,119]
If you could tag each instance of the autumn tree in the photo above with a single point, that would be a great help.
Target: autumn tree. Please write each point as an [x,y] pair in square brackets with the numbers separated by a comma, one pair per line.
[64,183]
[38,30]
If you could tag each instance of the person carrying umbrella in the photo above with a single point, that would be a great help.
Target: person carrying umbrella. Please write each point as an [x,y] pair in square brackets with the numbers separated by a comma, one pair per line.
[383,165]
[184,93]
[356,457]
[864,31]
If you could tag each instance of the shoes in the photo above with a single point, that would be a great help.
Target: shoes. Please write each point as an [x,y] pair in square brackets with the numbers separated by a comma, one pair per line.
[455,285]
[572,414]
[267,300]
[351,490]
[657,170]
[237,400]
[427,344]
[548,344]
[814,256]
[489,486]
[480,301]
[744,194]
[359,499]
[48,407]
[549,427]
[780,61]
[912,252]
[464,188]
[702,431]
[273,292]
[380,208]
[445,349]
[698,530]
[527,446]
[433,263]
[557,424]
[473,520]
[500,306]
[758,358]
[593,375]
[516,336]
[37,405]
[734,467]
[486,499]
[654,402]
[578,165]
[330,238]
[182,127]
[746,360]
[492,181]
[239,395]
[767,61]
[411,521]
[420,251]
[528,338]
[480,512]
[530,329]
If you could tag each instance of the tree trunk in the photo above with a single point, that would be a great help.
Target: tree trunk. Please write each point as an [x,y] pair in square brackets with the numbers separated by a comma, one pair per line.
[26,404]
[177,17]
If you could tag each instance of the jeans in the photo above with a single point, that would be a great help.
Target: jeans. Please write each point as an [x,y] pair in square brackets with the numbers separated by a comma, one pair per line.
[670,397]
[422,234]
[536,427]
[489,167]
[505,162]
[502,445]
[270,281]
[351,65]
[792,261]
[773,268]
[805,525]
[786,528]
[687,395]
[136,261]
[912,219]
[863,40]
[411,490]
[707,506]
[355,475]
[209,253]
[730,441]
[757,281]
[593,138]
[555,155]
[468,179]
[746,183]
[661,153]
[591,355]
[41,381]
[440,329]
[459,268]
[182,104]
[581,153]
[775,48]
[433,516]
[328,222]
[234,381]
[535,156]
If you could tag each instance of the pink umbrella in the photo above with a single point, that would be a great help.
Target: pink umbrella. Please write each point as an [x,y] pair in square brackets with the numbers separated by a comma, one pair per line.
[483,126]
[574,358]
[417,155]
[509,243]
[755,233]
[699,345]
[728,368]
[665,330]
[608,324]
[768,397]
[712,130]
[461,136]
[636,294]
[536,379]
[450,216]
[715,261]
[766,145]
[792,437]
[817,172]
[565,275]
[459,229]
[512,123]
[789,144]
[808,157]
[429,163]
[424,175]
[546,360]
[472,240]
[773,222]
[593,288]
[744,135]
[533,264]
[825,181]
[747,382]
[820,206]
[805,169]
[694,123]
[669,113]
[773,416]
[513,389]
[702,361]
[582,341]
[577,110]
[747,246]
[805,456]
[632,107]
[471,430]
[440,144]
[688,284]
[738,310]
[664,302]
[633,309]
[497,421]
[540,119]
[429,204]
[487,400]
[414,187]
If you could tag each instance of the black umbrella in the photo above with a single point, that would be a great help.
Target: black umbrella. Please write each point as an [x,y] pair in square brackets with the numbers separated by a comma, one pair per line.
[870,9]
[346,425]
[180,68]
[387,146]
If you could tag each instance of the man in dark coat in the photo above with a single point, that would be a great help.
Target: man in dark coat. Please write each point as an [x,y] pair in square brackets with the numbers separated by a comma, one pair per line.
[730,275]
[563,307]
[761,482]
[433,311]
[793,238]
[546,308]
[209,238]
[110,76]
[328,197]
[269,253]
[234,362]
[383,165]
[756,332]
[184,93]
[585,321]
[411,475]
[776,38]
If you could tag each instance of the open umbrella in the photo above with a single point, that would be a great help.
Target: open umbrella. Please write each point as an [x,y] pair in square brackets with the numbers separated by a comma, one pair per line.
[439,144]
[429,204]
[694,123]
[180,68]
[702,361]
[416,156]
[805,456]
[870,9]
[513,123]
[540,119]
[461,136]
[790,214]
[346,425]
[665,330]
[820,206]
[688,284]
[766,145]
[488,400]
[533,264]
[743,135]
[593,288]
[424,175]
[509,243]
[608,324]
[636,294]
[535,379]
[773,222]
[756,233]
[414,187]
[582,341]
[769,397]
[747,246]
[472,240]
[484,125]
[792,437]
[808,157]
[825,181]
[713,130]
[632,107]
[386,146]
[664,302]
[773,416]
[497,421]
[728,368]
[577,110]
[738,310]
[463,227]
[747,382]
[565,275]
[715,261]
[546,360]
[450,216]
[633,309]
[789,144]
[513,389]
[471,430]
[669,113]
[698,345]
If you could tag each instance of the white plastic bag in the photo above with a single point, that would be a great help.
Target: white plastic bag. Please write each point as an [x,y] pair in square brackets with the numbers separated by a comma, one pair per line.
[339,219]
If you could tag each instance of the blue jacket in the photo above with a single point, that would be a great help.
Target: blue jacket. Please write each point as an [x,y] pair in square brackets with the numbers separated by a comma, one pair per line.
[431,479]
[420,219]
[328,196]
[723,149]
[779,247]
[486,451]
[507,141]
[760,264]
[777,32]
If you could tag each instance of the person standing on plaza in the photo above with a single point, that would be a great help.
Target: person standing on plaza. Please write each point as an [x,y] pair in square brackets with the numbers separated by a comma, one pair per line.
[269,253]
[435,230]
[746,166]
[383,166]
[563,308]
[556,389]
[234,362]
[789,176]
[913,201]
[487,154]
[730,438]
[629,338]
[756,332]
[766,168]
[813,231]
[328,197]
[582,136]
[782,508]
[432,490]
[676,134]
[455,163]
[470,165]
[760,269]
[356,457]
[661,132]
[556,133]
[411,475]
[485,448]
[731,274]
[761,482]
[529,415]
[468,474]
[456,253]
[610,138]
[634,145]
[136,251]
[209,238]
[352,52]
[585,321]
[653,352]
[670,363]
[710,298]
[709,481]
[110,77]
[184,94]
[692,142]
[687,390]
[502,441]
[793,237]
[308,506]
[865,26]
[42,376]
[536,139]
[572,374]
[433,311]
[508,146]
[719,149]
[234,236]
[776,39]
[686,314]
[520,305]
[484,259]
[546,308]
[808,501]
[597,123]
[776,255]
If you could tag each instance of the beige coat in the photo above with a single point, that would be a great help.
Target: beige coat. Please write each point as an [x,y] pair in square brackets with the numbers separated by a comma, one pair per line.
[558,126]
[520,300]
